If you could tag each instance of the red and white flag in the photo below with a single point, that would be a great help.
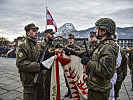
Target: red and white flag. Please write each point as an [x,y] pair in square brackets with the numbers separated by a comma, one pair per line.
[50,20]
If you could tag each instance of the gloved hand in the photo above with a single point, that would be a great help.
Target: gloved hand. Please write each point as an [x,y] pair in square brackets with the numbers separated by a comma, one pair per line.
[69,52]
[85,60]
[87,70]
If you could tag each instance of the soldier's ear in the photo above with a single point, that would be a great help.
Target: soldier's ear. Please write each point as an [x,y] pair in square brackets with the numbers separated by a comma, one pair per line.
[46,34]
[27,33]
[104,31]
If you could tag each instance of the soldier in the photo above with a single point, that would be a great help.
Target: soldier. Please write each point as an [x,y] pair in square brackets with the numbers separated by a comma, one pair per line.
[71,43]
[48,42]
[75,48]
[130,64]
[101,66]
[93,40]
[121,74]
[27,65]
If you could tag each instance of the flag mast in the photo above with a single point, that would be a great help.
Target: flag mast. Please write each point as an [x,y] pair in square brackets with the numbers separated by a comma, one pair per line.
[46,17]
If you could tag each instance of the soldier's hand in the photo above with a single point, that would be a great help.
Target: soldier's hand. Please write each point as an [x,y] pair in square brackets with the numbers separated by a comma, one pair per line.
[85,60]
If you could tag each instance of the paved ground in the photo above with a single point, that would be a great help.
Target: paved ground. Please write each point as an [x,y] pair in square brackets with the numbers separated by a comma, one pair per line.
[11,88]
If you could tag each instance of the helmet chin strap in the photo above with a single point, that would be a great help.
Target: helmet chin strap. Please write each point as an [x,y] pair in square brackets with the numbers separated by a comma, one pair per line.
[102,35]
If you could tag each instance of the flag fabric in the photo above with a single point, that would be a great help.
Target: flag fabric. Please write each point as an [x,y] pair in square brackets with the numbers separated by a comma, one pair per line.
[75,75]
[50,20]
[55,79]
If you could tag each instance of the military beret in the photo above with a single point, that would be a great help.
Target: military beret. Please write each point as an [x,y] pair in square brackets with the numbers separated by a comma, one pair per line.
[93,34]
[49,31]
[30,26]
[70,36]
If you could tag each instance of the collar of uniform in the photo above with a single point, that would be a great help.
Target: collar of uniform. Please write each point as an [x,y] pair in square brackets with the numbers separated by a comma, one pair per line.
[108,38]
[31,40]
[47,41]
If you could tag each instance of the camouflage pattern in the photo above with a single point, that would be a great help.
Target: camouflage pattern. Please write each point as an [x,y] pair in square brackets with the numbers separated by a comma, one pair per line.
[30,26]
[73,46]
[107,24]
[26,63]
[47,77]
[121,74]
[92,45]
[70,36]
[130,64]
[101,68]
[49,31]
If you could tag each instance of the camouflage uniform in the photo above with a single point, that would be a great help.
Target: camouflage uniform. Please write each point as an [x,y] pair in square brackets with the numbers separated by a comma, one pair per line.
[73,46]
[26,63]
[121,74]
[130,64]
[93,45]
[102,67]
[102,64]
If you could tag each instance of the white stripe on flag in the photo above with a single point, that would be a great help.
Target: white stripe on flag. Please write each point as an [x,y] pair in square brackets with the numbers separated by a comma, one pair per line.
[49,17]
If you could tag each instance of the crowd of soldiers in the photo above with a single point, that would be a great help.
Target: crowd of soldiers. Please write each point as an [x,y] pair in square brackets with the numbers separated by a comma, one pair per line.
[106,62]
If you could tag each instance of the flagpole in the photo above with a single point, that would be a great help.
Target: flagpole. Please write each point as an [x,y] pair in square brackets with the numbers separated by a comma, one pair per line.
[46,17]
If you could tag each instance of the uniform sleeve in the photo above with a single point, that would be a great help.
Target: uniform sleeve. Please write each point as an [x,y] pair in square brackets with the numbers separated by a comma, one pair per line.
[103,65]
[130,60]
[124,64]
[23,63]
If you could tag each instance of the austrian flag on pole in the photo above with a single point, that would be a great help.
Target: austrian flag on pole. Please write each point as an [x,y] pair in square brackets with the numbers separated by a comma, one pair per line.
[50,20]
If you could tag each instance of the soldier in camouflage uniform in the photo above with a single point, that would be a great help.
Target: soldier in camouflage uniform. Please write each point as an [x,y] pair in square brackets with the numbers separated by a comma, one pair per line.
[93,40]
[101,66]
[130,64]
[75,48]
[27,65]
[121,74]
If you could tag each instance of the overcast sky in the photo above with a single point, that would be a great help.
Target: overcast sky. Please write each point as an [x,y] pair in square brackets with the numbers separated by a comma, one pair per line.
[15,14]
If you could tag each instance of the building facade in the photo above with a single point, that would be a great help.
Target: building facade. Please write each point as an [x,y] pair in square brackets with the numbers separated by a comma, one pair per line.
[125,43]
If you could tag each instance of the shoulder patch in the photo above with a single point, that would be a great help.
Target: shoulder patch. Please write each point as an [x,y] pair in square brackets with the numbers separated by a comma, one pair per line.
[20,54]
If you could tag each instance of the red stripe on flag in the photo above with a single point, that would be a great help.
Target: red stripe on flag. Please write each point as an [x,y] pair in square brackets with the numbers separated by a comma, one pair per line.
[57,80]
[51,22]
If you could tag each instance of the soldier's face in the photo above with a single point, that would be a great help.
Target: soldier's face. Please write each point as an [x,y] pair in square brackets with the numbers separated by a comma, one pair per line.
[93,38]
[32,33]
[49,36]
[71,41]
[100,32]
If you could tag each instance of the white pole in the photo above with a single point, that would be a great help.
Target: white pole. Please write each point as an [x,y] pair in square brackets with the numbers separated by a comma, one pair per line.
[46,17]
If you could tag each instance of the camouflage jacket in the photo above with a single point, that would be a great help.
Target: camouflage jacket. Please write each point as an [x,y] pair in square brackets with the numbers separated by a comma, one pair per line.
[73,46]
[130,59]
[92,45]
[102,65]
[26,61]
[48,53]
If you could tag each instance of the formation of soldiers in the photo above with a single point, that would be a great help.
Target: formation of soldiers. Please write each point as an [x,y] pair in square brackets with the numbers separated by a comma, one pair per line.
[104,58]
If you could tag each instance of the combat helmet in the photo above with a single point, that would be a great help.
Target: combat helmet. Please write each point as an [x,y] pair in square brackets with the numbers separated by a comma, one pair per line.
[107,24]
